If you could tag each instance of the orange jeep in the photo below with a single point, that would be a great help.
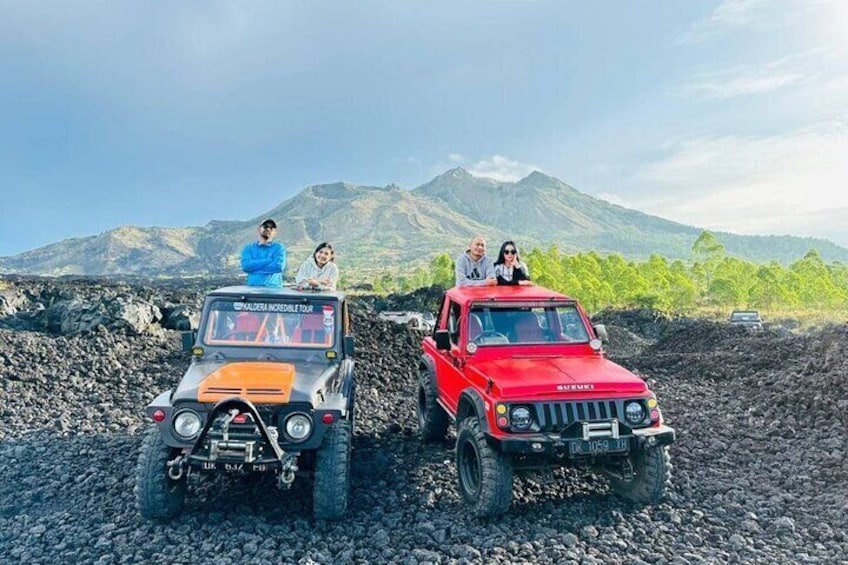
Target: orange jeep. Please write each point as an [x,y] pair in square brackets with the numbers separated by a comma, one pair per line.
[270,389]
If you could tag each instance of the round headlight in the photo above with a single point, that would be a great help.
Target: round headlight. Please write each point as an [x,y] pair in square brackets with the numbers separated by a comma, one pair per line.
[187,424]
[298,427]
[634,413]
[519,418]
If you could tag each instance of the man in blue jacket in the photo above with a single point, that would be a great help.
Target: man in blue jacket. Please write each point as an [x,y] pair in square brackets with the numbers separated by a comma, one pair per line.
[264,260]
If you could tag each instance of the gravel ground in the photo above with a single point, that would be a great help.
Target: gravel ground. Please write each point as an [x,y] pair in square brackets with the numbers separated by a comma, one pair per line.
[759,469]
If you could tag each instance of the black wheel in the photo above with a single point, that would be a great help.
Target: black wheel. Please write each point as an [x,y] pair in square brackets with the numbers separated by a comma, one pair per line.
[652,472]
[158,497]
[433,421]
[485,475]
[332,473]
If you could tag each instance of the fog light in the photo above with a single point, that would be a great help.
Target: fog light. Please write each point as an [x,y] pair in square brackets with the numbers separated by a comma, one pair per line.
[158,416]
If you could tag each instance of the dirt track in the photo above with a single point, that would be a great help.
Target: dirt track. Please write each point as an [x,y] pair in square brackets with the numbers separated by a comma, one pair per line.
[760,470]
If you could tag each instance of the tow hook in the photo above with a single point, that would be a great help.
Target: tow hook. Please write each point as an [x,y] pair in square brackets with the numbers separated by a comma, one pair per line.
[286,476]
[176,468]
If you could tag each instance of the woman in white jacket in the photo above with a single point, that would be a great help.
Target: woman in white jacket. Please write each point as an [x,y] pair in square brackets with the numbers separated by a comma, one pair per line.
[319,272]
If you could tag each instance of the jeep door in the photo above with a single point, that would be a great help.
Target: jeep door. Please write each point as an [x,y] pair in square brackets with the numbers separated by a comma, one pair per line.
[449,362]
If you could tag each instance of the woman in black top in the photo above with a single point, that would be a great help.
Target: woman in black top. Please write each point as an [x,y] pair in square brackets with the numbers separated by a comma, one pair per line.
[509,269]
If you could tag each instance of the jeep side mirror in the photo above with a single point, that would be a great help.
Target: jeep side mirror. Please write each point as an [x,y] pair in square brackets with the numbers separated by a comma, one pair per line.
[349,345]
[443,340]
[188,339]
[601,332]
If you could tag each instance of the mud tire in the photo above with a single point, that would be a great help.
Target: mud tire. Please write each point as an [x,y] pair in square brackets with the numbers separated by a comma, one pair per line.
[158,497]
[485,475]
[653,473]
[433,421]
[331,489]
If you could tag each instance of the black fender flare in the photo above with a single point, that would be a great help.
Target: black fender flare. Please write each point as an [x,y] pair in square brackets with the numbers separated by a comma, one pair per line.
[426,363]
[471,403]
[348,383]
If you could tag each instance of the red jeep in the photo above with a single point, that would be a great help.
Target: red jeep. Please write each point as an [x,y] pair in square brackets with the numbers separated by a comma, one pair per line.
[521,372]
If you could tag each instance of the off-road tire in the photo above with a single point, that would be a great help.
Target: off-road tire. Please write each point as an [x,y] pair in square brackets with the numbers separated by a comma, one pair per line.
[332,473]
[484,474]
[433,421]
[158,497]
[653,472]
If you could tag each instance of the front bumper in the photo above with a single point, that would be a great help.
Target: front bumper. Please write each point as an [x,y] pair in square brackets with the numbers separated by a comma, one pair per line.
[568,446]
[248,447]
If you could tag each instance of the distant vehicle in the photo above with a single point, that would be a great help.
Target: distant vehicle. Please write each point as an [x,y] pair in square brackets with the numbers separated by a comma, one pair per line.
[520,372]
[413,320]
[747,318]
[270,389]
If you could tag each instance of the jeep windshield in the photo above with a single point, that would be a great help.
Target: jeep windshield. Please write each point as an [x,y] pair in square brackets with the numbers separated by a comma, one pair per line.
[270,323]
[526,323]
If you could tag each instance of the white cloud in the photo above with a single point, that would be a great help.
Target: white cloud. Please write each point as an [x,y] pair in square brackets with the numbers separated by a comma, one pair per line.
[791,183]
[736,14]
[742,80]
[501,168]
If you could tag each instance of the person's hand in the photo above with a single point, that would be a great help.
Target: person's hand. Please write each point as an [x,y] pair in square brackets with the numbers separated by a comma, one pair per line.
[525,283]
[313,282]
[491,282]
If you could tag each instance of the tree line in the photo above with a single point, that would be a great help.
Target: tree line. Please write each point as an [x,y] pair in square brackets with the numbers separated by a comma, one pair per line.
[711,280]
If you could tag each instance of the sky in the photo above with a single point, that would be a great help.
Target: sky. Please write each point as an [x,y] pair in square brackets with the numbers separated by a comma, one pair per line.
[727,115]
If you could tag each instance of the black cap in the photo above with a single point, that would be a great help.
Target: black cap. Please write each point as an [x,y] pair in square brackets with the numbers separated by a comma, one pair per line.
[269,222]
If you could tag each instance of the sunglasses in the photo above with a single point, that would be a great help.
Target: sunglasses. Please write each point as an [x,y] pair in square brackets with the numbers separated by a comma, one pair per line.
[267,227]
[510,251]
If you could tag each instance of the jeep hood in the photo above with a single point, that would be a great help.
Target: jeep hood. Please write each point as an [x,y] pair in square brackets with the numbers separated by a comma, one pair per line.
[261,382]
[555,376]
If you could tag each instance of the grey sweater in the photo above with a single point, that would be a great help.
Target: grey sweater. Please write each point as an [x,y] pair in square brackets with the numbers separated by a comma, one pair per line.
[474,273]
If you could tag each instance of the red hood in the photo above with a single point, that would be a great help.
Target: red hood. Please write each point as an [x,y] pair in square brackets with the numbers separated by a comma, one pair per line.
[526,377]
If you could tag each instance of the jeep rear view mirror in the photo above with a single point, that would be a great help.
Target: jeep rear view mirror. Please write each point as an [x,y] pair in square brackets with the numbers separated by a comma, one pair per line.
[443,340]
[349,345]
[601,332]
[188,339]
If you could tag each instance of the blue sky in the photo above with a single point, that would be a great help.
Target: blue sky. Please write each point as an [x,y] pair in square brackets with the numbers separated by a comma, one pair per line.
[727,115]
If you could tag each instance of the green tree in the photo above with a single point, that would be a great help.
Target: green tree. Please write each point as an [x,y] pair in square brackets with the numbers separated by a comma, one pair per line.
[442,271]
[707,252]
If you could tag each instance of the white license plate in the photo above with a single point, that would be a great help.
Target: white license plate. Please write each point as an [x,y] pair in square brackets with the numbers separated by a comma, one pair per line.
[598,446]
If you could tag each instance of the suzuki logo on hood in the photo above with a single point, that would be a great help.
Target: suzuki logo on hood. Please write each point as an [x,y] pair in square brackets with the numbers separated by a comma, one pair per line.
[587,386]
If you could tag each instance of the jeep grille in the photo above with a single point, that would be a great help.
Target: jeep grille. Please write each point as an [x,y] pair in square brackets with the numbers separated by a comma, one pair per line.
[556,416]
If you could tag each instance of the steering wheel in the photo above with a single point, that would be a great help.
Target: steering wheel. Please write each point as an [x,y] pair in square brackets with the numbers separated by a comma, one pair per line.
[491,336]
[240,336]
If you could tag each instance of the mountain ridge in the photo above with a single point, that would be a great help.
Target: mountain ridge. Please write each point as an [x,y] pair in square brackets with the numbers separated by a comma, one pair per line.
[372,227]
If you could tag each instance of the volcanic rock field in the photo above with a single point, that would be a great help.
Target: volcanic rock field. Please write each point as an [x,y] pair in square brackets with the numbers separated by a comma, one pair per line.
[760,473]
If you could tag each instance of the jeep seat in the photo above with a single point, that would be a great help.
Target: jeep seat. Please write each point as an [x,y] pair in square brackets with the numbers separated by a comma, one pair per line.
[477,335]
[527,329]
[245,327]
[310,330]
